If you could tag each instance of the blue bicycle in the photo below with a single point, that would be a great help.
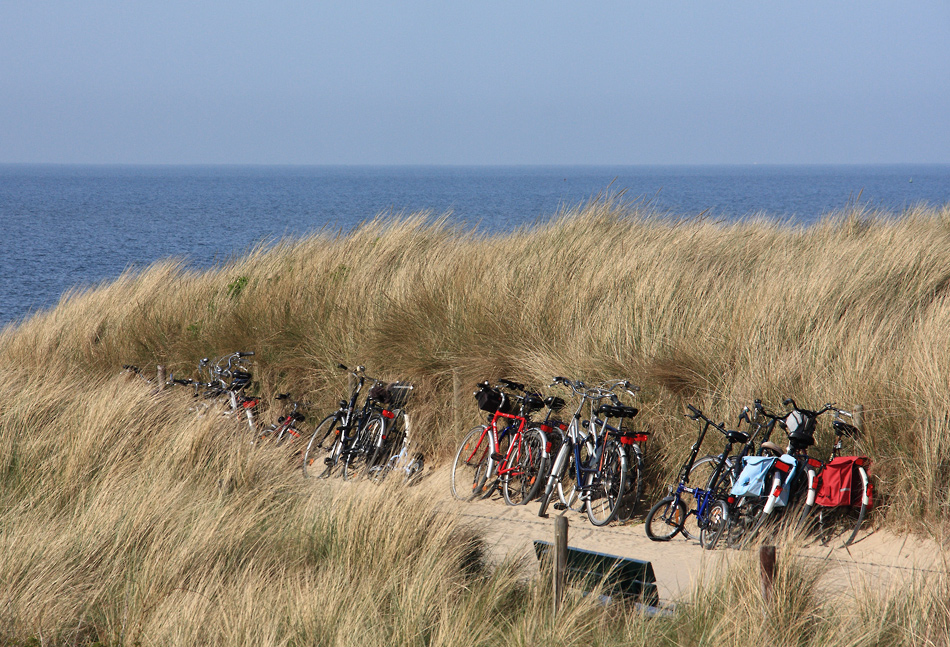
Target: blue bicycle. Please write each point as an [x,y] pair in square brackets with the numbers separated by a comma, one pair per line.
[668,516]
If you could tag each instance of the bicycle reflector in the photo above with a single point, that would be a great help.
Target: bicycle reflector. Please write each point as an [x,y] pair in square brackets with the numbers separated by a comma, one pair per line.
[388,414]
[782,467]
[814,462]
[862,461]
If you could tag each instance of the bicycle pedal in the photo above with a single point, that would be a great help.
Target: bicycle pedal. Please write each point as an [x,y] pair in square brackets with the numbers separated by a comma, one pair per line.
[560,506]
[497,457]
[328,461]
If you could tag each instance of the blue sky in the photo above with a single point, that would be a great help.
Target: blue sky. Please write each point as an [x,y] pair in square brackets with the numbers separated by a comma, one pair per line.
[493,82]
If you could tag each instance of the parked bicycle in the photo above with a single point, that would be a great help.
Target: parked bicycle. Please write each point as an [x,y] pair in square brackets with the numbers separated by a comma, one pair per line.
[669,515]
[590,456]
[504,452]
[840,492]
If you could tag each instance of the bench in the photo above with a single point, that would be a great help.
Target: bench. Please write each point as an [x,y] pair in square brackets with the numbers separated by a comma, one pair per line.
[615,576]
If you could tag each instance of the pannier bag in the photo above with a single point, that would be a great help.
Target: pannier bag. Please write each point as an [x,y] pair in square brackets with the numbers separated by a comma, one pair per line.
[492,400]
[841,483]
[801,429]
[751,481]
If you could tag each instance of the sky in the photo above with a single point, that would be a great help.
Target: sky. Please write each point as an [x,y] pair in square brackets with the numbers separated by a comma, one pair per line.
[479,82]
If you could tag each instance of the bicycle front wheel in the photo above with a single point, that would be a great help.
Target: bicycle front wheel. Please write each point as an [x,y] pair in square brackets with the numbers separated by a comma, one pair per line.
[315,445]
[524,480]
[665,519]
[716,522]
[471,465]
[606,486]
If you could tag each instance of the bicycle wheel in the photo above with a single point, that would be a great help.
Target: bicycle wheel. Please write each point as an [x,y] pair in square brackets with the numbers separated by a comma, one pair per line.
[634,485]
[700,476]
[522,483]
[365,442]
[315,445]
[606,486]
[716,523]
[665,518]
[568,489]
[471,464]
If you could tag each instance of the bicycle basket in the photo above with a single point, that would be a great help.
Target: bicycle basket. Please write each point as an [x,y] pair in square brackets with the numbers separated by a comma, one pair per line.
[801,429]
[492,400]
[399,394]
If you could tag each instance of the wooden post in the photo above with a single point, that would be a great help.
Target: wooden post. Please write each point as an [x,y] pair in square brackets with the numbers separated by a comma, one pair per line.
[160,377]
[560,559]
[857,417]
[767,572]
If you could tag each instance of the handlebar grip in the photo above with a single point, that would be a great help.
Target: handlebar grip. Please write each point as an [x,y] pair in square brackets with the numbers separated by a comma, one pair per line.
[697,414]
[342,366]
[247,354]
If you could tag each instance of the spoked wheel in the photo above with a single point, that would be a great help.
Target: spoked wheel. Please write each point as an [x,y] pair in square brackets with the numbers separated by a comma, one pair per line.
[665,519]
[522,483]
[744,518]
[362,445]
[700,476]
[471,465]
[606,486]
[716,523]
[313,454]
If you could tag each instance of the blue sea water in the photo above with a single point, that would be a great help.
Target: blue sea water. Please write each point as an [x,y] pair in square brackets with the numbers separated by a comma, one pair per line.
[78,225]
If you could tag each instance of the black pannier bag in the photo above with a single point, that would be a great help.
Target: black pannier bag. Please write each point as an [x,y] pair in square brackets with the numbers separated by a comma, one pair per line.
[801,429]
[492,400]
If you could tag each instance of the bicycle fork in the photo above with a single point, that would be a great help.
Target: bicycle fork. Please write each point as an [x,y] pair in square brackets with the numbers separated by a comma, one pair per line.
[554,477]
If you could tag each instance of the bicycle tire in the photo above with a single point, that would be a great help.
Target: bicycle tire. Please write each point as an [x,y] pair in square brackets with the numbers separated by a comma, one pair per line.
[862,511]
[521,485]
[634,484]
[716,523]
[606,486]
[469,469]
[315,444]
[356,458]
[700,476]
[665,519]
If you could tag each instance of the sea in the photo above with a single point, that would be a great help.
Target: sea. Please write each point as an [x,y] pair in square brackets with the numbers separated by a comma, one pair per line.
[67,226]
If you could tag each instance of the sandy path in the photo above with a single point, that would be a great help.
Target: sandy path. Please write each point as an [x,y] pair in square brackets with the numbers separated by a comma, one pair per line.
[876,559]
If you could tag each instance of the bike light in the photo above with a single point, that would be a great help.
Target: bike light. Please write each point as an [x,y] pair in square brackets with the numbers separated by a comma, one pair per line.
[627,440]
[546,428]
[814,462]
[388,414]
[640,438]
[782,467]
[861,461]
[730,499]
[777,491]
[562,426]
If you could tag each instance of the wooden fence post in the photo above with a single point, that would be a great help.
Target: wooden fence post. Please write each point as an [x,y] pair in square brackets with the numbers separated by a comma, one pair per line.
[560,559]
[160,377]
[767,572]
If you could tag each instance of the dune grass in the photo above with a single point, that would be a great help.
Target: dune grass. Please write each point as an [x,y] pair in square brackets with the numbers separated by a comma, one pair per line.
[127,519]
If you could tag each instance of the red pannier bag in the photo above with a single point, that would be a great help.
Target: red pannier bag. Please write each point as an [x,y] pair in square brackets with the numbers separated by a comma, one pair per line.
[841,483]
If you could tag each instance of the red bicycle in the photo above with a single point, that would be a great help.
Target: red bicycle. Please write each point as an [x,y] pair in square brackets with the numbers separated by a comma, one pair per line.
[505,452]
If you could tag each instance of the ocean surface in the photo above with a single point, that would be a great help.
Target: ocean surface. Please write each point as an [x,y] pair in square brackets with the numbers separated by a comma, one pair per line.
[66,226]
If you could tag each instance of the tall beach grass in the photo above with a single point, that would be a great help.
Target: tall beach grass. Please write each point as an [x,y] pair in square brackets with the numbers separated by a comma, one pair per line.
[125,518]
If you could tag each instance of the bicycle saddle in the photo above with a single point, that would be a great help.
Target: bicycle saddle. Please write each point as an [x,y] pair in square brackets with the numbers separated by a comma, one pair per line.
[616,411]
[734,436]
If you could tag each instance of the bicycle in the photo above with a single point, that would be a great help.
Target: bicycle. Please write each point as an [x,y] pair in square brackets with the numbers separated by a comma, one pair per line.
[388,432]
[509,456]
[286,426]
[598,458]
[668,516]
[346,423]
[831,487]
